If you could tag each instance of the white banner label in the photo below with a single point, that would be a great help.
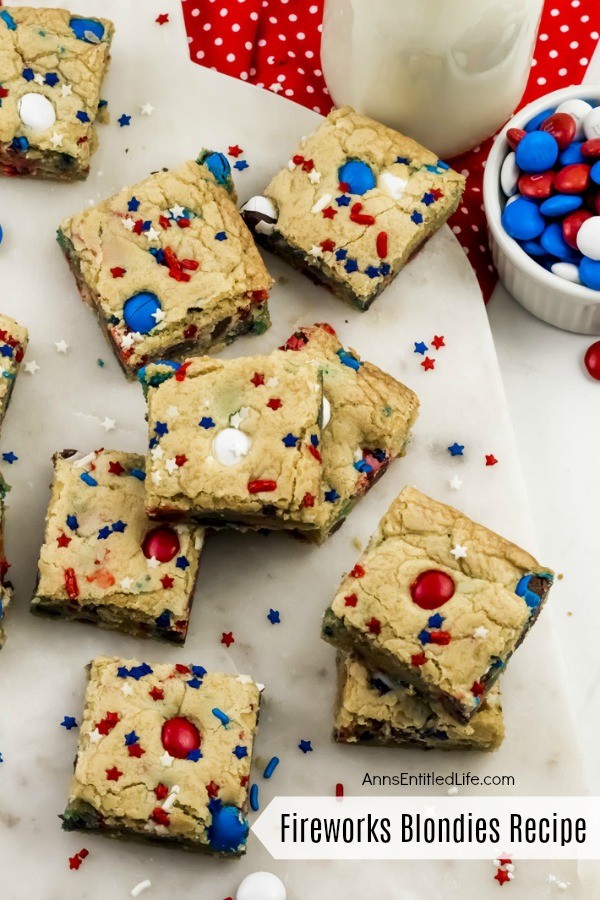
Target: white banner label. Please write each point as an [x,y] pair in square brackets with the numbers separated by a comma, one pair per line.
[431,827]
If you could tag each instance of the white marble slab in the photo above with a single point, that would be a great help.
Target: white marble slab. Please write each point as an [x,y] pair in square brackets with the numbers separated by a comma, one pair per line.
[41,667]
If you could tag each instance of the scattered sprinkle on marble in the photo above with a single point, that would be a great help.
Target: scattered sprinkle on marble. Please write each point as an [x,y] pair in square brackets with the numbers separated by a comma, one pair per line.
[124,120]
[273,617]
[162,18]
[227,638]
[420,347]
[75,861]
[69,722]
[490,459]
[9,457]
[455,483]
[438,341]
[142,886]
[428,363]
[271,766]
[305,746]
[108,424]
[32,367]
[456,449]
[61,346]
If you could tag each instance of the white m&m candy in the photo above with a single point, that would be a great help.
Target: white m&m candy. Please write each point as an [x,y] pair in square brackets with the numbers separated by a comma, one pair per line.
[261,886]
[36,112]
[591,124]
[509,175]
[588,238]
[230,446]
[260,213]
[392,184]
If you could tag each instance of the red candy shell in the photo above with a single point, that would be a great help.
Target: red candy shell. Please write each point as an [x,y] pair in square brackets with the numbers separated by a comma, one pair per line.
[162,543]
[537,187]
[572,179]
[431,589]
[562,128]
[179,736]
[592,360]
[571,225]
[591,148]
[513,136]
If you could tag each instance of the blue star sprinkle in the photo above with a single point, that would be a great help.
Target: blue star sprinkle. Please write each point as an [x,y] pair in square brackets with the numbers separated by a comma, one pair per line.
[88,479]
[164,620]
[221,716]
[403,160]
[6,350]
[273,617]
[351,265]
[131,738]
[136,672]
[416,217]
[427,198]
[194,755]
[104,533]
[82,116]
[51,79]
[435,621]
[342,201]
[424,637]
[133,205]
[331,496]
[305,746]
[290,440]
[182,562]
[161,428]
[194,683]
[9,457]
[240,165]
[206,422]
[19,144]
[220,236]
[385,269]
[69,722]
[240,752]
[198,671]
[372,271]
[72,522]
[341,254]
[456,449]
[28,74]
[420,347]
[124,120]
[119,526]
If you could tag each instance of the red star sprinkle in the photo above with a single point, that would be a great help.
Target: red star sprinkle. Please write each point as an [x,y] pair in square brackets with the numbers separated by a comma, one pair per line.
[502,876]
[135,750]
[107,723]
[477,689]
[157,693]
[162,19]
[257,379]
[504,861]
[118,272]
[3,92]
[164,222]
[308,500]
[167,582]
[327,246]
[63,541]
[374,625]
[113,774]
[490,459]
[74,861]
[438,342]
[344,187]
[161,791]
[115,468]
[183,670]
[227,638]
[329,212]
[190,332]
[428,363]
[308,165]
[212,789]
[235,151]
[419,659]
[350,600]
[357,571]
[160,816]
[436,193]
[181,459]
[275,403]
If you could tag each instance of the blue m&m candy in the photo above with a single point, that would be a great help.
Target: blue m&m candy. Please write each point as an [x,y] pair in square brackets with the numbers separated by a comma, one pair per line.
[589,273]
[595,172]
[537,120]
[553,242]
[164,369]
[536,152]
[560,205]
[533,248]
[357,175]
[89,30]
[522,219]
[139,312]
[218,164]
[228,829]
[572,154]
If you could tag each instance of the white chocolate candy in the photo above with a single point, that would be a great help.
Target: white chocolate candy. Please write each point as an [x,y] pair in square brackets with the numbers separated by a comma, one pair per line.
[588,238]
[36,112]
[568,271]
[591,124]
[325,412]
[392,184]
[260,213]
[261,886]
[230,446]
[578,110]
[509,175]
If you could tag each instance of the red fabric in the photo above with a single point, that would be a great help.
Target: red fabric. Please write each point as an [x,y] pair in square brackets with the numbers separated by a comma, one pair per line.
[275,44]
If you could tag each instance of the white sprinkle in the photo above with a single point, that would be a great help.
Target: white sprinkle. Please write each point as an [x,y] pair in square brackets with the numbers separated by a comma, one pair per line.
[455,483]
[481,632]
[166,759]
[128,223]
[158,315]
[452,791]
[321,203]
[108,424]
[66,90]
[61,346]
[171,465]
[126,583]
[127,341]
[173,412]
[56,139]
[458,552]
[127,689]
[152,562]
[85,460]
[315,251]
[38,78]
[147,109]
[137,890]
[314,177]
[151,234]
[177,212]
[156,477]
[157,452]
[32,367]
[95,736]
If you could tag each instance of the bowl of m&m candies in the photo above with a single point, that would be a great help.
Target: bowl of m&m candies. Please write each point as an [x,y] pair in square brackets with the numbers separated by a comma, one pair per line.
[541,194]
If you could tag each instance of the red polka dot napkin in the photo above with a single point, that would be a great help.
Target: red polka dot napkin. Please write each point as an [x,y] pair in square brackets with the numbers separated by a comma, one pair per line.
[275,44]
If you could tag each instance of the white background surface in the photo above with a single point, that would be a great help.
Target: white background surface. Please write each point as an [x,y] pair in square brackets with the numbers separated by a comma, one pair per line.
[242,576]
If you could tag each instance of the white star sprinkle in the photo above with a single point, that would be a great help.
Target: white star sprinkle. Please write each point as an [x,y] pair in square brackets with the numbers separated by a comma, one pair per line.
[108,424]
[39,79]
[126,583]
[32,367]
[171,465]
[95,736]
[127,341]
[314,177]
[61,346]
[166,759]
[481,632]
[152,562]
[156,477]
[127,690]
[459,552]
[128,223]
[455,483]
[315,252]
[177,212]
[56,139]
[66,90]
[158,315]
[151,234]
[157,452]
[173,412]
[147,109]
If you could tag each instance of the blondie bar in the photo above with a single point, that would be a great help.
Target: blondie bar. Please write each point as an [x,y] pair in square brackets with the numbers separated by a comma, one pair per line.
[52,65]
[13,343]
[438,602]
[103,561]
[354,203]
[168,265]
[164,755]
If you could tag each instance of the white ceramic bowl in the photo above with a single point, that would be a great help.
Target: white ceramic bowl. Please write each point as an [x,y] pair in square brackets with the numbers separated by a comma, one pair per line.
[549,297]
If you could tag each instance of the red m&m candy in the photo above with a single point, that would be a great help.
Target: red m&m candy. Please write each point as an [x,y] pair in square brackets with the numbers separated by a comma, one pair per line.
[571,225]
[592,360]
[162,543]
[562,127]
[179,737]
[591,149]
[513,136]
[431,589]
[538,187]
[572,179]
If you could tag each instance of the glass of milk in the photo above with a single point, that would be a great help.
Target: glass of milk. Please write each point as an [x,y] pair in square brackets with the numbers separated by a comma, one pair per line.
[448,73]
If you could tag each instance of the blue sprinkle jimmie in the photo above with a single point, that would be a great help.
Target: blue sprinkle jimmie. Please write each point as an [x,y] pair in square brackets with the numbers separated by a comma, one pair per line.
[271,766]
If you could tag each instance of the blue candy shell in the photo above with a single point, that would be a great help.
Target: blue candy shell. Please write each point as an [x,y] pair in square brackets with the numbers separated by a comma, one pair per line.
[522,220]
[553,242]
[595,172]
[157,377]
[358,176]
[532,599]
[138,312]
[83,27]
[561,204]
[589,273]
[533,248]
[572,154]
[1,234]
[535,123]
[536,152]
[218,164]
[228,829]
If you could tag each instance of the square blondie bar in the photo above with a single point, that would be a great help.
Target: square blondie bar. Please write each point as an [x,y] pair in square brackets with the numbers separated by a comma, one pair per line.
[164,755]
[438,602]
[372,710]
[168,265]
[52,65]
[13,343]
[354,203]
[103,561]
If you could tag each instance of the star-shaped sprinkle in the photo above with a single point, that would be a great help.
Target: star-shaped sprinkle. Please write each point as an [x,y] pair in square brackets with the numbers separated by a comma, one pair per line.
[32,367]
[162,19]
[315,251]
[63,541]
[74,861]
[456,449]
[126,583]
[481,632]
[206,422]
[428,363]
[328,246]
[82,116]
[9,457]
[124,120]
[227,638]
[151,234]
[490,459]
[113,774]
[240,165]
[502,876]
[156,693]
[166,759]
[455,483]
[416,217]
[314,177]
[290,440]
[128,223]
[69,722]
[374,626]
[127,689]
[108,424]
[240,752]
[95,736]
[459,551]
[56,140]
[438,341]
[273,617]
[329,212]
[420,347]
[66,90]
[305,746]
[234,151]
